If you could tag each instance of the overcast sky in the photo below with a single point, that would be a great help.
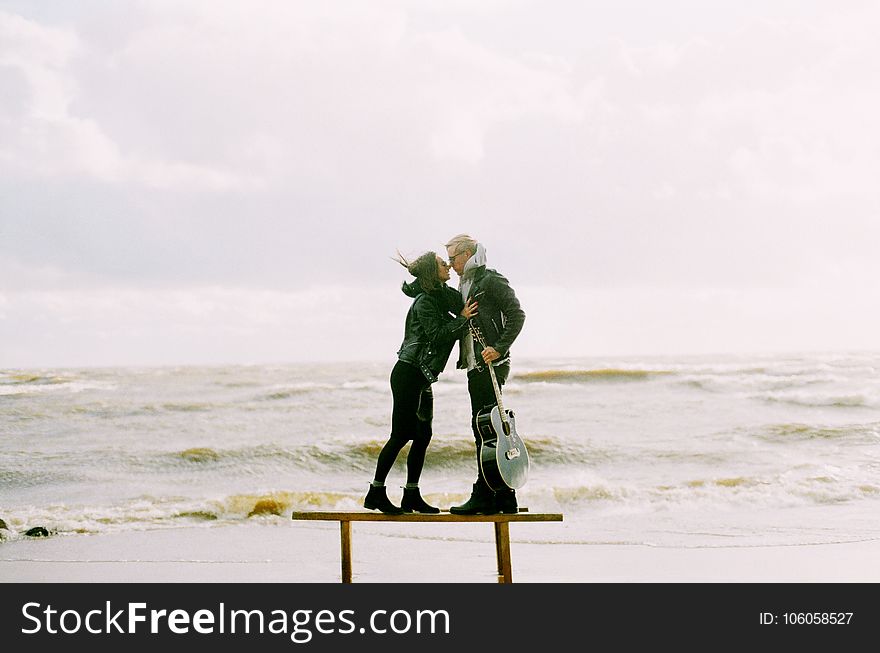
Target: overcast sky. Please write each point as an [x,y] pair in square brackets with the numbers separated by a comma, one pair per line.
[225,182]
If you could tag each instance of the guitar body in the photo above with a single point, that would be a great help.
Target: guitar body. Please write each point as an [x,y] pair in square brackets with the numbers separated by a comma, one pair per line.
[504,458]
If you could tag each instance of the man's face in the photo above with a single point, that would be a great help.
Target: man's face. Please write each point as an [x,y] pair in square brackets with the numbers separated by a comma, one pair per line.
[457,261]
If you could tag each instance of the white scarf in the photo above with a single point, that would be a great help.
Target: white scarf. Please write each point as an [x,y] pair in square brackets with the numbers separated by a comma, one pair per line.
[467,274]
[465,282]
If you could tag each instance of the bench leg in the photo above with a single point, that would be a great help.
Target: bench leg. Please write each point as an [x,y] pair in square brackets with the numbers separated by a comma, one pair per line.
[502,551]
[498,550]
[345,531]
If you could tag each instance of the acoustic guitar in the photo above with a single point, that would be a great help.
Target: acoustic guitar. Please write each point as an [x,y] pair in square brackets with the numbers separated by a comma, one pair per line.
[504,459]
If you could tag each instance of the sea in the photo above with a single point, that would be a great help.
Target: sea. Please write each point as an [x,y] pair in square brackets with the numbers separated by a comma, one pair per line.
[696,451]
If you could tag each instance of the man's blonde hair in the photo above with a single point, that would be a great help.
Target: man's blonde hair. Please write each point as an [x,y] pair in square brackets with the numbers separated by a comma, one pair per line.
[462,242]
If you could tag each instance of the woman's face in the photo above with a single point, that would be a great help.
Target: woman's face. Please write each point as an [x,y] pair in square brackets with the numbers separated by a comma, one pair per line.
[442,270]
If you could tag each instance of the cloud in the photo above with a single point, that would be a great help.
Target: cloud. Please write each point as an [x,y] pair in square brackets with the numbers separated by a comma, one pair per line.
[316,80]
[197,324]
[283,146]
[42,136]
[312,93]
[473,89]
[784,107]
[214,324]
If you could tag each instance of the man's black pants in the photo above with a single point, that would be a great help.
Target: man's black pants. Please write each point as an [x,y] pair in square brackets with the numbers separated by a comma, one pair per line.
[482,395]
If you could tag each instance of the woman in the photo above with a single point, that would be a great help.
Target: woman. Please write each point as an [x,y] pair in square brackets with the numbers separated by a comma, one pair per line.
[436,319]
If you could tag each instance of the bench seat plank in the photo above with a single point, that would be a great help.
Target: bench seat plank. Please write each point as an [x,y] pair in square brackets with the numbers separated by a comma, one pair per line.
[334,515]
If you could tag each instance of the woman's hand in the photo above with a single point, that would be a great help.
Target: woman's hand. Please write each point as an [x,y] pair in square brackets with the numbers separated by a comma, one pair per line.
[469,310]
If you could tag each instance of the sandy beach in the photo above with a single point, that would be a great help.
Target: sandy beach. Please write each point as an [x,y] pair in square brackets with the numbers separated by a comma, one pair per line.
[310,553]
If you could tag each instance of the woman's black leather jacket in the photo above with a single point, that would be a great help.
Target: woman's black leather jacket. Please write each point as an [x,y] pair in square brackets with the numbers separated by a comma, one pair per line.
[433,325]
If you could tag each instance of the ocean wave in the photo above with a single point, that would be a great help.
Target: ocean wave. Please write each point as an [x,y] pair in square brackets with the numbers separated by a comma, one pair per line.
[199,455]
[332,456]
[820,400]
[810,487]
[110,410]
[759,382]
[808,389]
[807,487]
[552,451]
[857,433]
[739,385]
[731,482]
[27,378]
[189,407]
[588,376]
[587,499]
[48,387]
[290,390]
[12,480]
[148,512]
[588,494]
[372,386]
[243,458]
[294,390]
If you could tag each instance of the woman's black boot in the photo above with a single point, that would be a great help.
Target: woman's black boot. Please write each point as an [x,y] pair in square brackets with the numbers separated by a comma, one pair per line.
[377,499]
[413,502]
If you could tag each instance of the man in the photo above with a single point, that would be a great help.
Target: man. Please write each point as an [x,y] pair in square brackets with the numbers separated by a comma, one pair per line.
[500,319]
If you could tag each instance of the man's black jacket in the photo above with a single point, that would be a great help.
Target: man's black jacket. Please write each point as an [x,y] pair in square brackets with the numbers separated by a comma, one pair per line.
[499,316]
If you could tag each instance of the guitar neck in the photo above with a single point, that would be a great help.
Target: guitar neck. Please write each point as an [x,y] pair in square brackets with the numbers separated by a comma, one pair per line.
[478,337]
[497,392]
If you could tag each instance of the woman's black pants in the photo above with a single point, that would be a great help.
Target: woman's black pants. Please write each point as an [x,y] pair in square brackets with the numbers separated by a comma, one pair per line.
[411,418]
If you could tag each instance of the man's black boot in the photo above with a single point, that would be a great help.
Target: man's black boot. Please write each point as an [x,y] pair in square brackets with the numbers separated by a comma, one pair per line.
[413,502]
[481,502]
[377,499]
[505,501]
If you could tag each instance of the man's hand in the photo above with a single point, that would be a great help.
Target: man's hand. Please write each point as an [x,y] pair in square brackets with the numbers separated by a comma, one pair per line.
[490,354]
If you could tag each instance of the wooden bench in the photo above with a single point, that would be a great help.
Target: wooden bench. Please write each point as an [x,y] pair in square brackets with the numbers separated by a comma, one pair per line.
[501,522]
